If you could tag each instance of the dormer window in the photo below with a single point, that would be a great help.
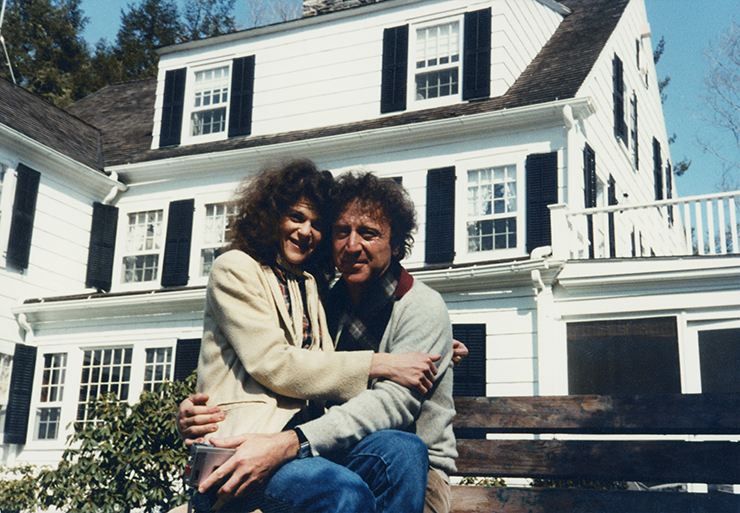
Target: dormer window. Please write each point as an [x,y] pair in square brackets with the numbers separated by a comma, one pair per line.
[210,99]
[207,103]
[437,61]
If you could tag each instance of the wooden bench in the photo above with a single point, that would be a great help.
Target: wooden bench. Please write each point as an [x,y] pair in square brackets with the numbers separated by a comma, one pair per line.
[671,459]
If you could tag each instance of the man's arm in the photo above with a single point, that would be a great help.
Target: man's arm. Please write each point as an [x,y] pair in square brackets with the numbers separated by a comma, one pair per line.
[420,322]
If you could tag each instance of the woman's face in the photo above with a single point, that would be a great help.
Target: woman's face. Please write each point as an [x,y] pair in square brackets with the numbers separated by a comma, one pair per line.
[299,232]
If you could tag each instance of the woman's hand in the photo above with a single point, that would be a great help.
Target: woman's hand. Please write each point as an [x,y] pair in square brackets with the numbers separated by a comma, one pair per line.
[413,370]
[195,418]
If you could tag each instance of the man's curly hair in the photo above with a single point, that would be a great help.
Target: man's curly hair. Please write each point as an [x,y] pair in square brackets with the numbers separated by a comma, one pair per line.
[382,196]
[262,200]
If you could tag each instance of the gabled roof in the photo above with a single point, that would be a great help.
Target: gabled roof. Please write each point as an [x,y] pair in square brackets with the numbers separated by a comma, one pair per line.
[124,113]
[556,73]
[37,119]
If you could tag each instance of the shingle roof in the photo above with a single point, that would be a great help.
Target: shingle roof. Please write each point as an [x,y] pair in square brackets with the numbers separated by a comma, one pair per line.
[39,120]
[124,113]
[556,73]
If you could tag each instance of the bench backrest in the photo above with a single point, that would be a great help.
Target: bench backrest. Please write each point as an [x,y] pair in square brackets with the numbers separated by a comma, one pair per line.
[557,438]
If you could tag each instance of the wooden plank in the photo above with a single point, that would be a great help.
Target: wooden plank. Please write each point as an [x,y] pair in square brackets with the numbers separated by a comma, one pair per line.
[479,499]
[632,460]
[644,414]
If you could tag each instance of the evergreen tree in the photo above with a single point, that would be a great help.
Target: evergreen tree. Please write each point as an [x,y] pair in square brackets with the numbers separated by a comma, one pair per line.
[151,24]
[208,18]
[46,48]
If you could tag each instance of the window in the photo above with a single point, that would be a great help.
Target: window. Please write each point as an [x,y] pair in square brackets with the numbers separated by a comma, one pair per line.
[158,368]
[216,102]
[215,233]
[52,393]
[209,101]
[103,371]
[437,61]
[629,356]
[492,206]
[448,60]
[143,246]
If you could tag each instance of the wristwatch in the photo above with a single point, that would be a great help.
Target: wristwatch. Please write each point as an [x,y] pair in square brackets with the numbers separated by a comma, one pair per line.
[305,450]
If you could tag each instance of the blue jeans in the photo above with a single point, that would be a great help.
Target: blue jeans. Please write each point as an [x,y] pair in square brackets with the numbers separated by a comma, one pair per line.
[386,472]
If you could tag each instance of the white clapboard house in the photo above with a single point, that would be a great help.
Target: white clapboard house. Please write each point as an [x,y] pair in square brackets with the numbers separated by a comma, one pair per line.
[529,133]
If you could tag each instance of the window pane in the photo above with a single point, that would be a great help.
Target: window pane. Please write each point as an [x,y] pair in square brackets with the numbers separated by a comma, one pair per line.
[437,47]
[158,368]
[108,370]
[491,203]
[211,90]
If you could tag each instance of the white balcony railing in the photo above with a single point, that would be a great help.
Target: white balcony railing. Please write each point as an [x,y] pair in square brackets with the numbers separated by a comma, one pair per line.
[695,225]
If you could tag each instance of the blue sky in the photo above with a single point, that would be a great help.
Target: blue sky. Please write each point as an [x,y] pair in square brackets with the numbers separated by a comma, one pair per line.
[687,25]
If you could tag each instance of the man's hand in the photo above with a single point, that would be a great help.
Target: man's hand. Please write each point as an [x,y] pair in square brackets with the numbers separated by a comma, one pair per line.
[195,418]
[459,351]
[412,370]
[257,457]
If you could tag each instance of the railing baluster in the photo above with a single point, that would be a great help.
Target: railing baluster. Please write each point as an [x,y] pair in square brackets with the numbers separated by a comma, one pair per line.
[733,225]
[722,226]
[687,227]
[699,228]
[710,227]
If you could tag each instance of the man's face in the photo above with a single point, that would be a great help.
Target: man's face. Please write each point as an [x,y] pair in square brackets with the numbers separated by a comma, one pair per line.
[361,243]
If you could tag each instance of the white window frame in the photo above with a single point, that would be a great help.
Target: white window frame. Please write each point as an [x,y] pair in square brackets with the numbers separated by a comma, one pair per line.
[167,367]
[122,251]
[206,241]
[89,397]
[220,195]
[52,401]
[189,108]
[413,70]
[8,177]
[462,252]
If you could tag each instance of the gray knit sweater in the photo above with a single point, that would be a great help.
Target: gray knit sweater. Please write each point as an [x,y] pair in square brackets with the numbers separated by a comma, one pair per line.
[419,322]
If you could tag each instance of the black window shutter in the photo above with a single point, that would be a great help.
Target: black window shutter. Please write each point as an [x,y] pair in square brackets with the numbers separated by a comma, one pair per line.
[542,190]
[657,170]
[589,182]
[242,95]
[176,262]
[102,246]
[19,397]
[612,229]
[440,221]
[470,373]
[620,125]
[395,69]
[172,107]
[477,55]
[24,211]
[186,358]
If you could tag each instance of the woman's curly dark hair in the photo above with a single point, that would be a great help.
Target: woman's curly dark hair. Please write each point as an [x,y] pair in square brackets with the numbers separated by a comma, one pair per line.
[383,195]
[262,200]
